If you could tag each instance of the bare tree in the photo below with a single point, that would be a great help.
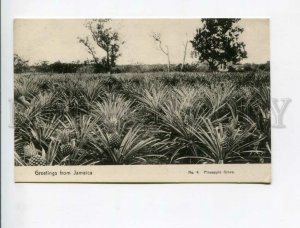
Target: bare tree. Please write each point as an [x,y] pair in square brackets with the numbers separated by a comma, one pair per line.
[185,44]
[165,50]
[90,48]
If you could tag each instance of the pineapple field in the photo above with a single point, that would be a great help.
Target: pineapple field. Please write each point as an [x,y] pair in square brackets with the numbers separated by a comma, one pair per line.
[142,118]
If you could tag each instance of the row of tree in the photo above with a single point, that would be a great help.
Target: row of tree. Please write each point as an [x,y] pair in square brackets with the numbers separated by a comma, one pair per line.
[86,67]
[215,43]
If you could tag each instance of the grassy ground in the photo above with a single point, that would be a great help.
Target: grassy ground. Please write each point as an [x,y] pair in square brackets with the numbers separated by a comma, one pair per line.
[150,118]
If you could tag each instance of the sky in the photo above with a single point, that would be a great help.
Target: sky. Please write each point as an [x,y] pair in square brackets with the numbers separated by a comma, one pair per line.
[57,39]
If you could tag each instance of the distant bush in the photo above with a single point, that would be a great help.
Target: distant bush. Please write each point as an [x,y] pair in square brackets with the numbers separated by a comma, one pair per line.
[193,67]
[265,67]
[86,69]
[141,68]
[20,65]
[42,67]
[144,68]
[57,67]
[232,69]
[256,67]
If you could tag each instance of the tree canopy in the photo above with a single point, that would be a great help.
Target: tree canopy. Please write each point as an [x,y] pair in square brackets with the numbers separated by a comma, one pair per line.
[217,42]
[107,39]
[20,64]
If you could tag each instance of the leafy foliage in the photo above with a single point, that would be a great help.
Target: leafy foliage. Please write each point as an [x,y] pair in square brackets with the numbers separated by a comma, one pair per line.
[217,42]
[20,65]
[105,38]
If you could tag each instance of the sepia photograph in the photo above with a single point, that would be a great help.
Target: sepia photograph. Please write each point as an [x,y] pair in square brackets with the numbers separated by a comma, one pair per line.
[152,114]
[127,96]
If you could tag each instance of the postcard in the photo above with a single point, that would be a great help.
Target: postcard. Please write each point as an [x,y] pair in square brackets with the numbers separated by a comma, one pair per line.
[142,100]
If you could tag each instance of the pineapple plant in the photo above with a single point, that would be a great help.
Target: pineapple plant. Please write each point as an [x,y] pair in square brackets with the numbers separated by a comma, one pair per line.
[230,131]
[148,150]
[76,155]
[29,150]
[227,142]
[37,160]
[190,121]
[23,101]
[67,149]
[122,150]
[45,86]
[115,140]
[62,108]
[72,135]
[64,136]
[83,103]
[111,125]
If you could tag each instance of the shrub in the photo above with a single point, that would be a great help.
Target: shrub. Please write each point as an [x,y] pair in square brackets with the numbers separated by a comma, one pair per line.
[20,65]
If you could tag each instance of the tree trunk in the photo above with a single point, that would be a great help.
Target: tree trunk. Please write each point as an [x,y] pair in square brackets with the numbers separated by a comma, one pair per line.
[167,53]
[108,65]
[212,67]
[168,63]
[184,56]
